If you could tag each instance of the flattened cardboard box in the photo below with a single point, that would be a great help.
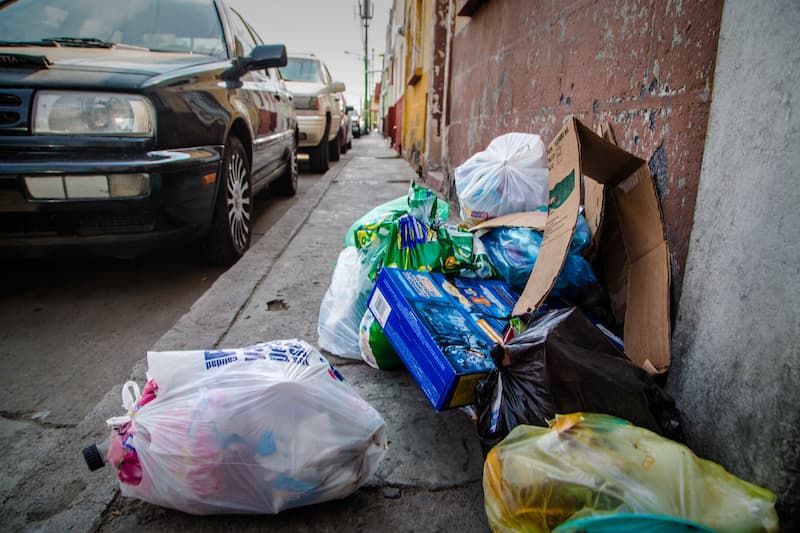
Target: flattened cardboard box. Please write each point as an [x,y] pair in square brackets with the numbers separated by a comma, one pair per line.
[631,249]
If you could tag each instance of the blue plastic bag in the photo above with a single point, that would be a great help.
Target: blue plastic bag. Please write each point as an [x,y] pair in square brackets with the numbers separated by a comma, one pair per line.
[513,252]
[631,523]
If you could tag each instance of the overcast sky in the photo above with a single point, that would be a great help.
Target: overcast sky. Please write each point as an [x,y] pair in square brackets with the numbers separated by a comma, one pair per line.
[326,28]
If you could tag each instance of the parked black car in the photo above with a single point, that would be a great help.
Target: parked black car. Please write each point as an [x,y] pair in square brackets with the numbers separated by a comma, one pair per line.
[130,126]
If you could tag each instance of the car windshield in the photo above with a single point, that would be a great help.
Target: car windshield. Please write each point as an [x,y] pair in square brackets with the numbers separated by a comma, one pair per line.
[301,69]
[162,25]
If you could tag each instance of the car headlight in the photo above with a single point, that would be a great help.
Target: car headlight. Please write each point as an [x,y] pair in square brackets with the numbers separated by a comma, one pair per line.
[77,113]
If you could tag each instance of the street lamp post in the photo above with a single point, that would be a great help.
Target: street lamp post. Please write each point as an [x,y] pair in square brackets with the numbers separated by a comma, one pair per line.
[365,12]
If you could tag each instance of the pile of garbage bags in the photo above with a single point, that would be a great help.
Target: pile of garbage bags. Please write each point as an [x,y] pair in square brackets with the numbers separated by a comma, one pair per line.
[412,233]
[575,434]
[619,455]
[258,429]
[409,233]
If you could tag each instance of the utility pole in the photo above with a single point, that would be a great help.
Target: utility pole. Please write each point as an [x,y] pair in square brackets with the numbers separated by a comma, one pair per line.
[365,12]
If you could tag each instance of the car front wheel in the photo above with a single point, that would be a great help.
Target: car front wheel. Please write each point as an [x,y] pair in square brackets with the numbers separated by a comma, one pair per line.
[229,237]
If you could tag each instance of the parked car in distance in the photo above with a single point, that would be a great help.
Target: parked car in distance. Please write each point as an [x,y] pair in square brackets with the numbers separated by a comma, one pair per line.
[121,135]
[356,126]
[319,111]
[346,127]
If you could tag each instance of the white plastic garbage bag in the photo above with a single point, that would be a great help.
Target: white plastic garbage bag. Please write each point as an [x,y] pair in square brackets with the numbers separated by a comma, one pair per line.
[508,177]
[343,305]
[252,430]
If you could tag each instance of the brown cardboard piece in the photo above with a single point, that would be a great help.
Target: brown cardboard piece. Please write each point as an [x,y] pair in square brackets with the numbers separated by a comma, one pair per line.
[531,219]
[631,247]
[594,195]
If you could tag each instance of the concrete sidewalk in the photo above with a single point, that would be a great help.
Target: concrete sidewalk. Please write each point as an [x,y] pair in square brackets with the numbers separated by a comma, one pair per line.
[430,479]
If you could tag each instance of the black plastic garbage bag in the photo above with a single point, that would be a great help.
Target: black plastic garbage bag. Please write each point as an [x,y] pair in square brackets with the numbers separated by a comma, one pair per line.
[562,363]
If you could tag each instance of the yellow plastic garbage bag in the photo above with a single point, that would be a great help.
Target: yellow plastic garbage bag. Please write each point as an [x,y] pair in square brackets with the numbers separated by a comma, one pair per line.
[591,465]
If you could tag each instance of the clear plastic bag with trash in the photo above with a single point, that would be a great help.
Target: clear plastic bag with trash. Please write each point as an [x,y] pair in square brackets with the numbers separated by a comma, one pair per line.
[257,430]
[510,176]
[343,305]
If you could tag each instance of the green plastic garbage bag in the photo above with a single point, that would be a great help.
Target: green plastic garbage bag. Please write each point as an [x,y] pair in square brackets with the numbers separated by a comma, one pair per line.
[376,350]
[405,238]
[588,464]
[416,202]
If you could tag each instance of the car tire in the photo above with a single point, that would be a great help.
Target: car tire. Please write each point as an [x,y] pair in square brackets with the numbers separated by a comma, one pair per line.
[349,145]
[334,148]
[229,237]
[344,146]
[318,158]
[286,184]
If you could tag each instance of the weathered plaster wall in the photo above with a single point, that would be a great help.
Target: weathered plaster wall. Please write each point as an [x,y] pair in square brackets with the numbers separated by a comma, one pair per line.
[736,356]
[440,34]
[647,67]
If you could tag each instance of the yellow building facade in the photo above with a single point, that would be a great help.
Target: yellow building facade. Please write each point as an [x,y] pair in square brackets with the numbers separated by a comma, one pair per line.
[418,62]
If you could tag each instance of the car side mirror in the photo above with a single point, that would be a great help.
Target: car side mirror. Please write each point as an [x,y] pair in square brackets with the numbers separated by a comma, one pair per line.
[335,87]
[261,57]
[266,56]
[348,109]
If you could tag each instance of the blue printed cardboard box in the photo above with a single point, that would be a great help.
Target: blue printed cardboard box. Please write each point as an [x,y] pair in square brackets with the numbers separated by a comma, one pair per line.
[442,328]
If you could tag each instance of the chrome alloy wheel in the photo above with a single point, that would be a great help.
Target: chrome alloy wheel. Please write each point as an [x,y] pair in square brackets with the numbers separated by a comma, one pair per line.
[238,201]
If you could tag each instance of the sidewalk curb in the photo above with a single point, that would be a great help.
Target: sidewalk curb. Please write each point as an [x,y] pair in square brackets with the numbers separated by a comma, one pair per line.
[211,316]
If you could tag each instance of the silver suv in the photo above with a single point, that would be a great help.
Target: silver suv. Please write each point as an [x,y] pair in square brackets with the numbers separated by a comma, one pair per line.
[319,109]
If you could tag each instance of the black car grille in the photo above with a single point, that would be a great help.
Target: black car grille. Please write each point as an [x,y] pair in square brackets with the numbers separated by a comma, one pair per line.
[83,224]
[116,223]
[15,105]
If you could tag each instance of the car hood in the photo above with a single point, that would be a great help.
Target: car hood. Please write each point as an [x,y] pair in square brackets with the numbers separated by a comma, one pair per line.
[95,67]
[303,88]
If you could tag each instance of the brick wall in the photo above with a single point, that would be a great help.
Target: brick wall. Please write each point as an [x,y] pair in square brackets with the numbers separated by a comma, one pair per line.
[647,67]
